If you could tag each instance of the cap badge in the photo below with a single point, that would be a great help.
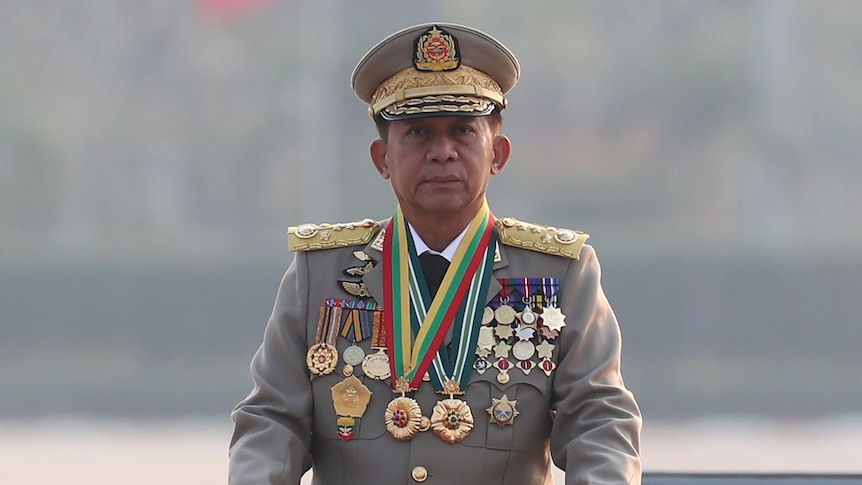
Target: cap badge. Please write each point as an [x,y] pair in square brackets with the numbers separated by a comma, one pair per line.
[436,50]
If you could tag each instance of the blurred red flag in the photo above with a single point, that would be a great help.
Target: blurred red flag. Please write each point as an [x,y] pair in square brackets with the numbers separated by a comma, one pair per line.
[228,10]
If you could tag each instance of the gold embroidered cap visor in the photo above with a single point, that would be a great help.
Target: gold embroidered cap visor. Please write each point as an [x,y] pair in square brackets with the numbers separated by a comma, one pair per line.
[435,69]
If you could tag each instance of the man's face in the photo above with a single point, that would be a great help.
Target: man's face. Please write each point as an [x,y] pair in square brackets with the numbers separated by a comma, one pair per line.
[440,166]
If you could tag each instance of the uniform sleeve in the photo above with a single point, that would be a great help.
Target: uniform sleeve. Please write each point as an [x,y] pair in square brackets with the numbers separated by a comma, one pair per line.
[596,432]
[272,426]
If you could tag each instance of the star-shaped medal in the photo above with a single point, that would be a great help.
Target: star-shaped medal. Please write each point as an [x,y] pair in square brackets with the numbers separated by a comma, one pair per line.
[501,350]
[524,333]
[503,331]
[548,333]
[544,349]
[503,411]
[553,317]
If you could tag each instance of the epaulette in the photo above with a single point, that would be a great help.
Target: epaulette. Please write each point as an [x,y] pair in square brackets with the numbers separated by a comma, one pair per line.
[310,237]
[544,239]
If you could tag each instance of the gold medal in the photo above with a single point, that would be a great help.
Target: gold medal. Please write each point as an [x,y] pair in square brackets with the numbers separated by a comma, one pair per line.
[487,316]
[545,349]
[322,358]
[553,318]
[452,420]
[350,397]
[504,331]
[403,418]
[504,314]
[486,339]
[376,366]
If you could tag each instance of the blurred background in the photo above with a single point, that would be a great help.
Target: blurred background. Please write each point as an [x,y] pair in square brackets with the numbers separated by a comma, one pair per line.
[152,155]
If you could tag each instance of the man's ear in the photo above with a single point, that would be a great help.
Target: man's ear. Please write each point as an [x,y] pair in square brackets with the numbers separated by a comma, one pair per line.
[378,157]
[502,149]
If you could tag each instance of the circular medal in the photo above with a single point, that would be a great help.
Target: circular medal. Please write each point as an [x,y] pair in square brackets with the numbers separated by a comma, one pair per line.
[353,355]
[528,317]
[503,377]
[523,350]
[452,420]
[322,358]
[487,315]
[403,418]
[504,314]
[376,366]
[486,338]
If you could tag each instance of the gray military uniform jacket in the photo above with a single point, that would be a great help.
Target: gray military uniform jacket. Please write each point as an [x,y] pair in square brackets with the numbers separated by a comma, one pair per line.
[581,415]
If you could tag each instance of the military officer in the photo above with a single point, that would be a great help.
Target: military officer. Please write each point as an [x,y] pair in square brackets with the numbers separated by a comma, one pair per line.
[441,345]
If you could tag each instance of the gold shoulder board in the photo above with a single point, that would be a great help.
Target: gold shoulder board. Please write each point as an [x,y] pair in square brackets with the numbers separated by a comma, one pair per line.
[310,237]
[544,239]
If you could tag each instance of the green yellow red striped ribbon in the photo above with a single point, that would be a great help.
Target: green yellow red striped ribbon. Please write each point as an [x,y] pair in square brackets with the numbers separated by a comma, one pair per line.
[409,357]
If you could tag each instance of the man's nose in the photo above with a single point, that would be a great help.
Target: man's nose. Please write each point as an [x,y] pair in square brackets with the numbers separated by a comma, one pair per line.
[442,149]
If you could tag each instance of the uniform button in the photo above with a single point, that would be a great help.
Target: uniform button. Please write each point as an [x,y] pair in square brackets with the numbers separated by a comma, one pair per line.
[419,473]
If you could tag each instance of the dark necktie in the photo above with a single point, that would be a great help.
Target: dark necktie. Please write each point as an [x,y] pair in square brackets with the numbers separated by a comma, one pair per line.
[434,267]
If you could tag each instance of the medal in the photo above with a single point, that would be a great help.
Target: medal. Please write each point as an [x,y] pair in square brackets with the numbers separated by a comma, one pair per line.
[452,420]
[503,366]
[322,358]
[504,314]
[350,399]
[486,339]
[487,316]
[416,325]
[503,331]
[481,365]
[547,366]
[527,316]
[553,318]
[545,349]
[526,366]
[403,416]
[501,350]
[353,355]
[523,350]
[503,411]
[376,365]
